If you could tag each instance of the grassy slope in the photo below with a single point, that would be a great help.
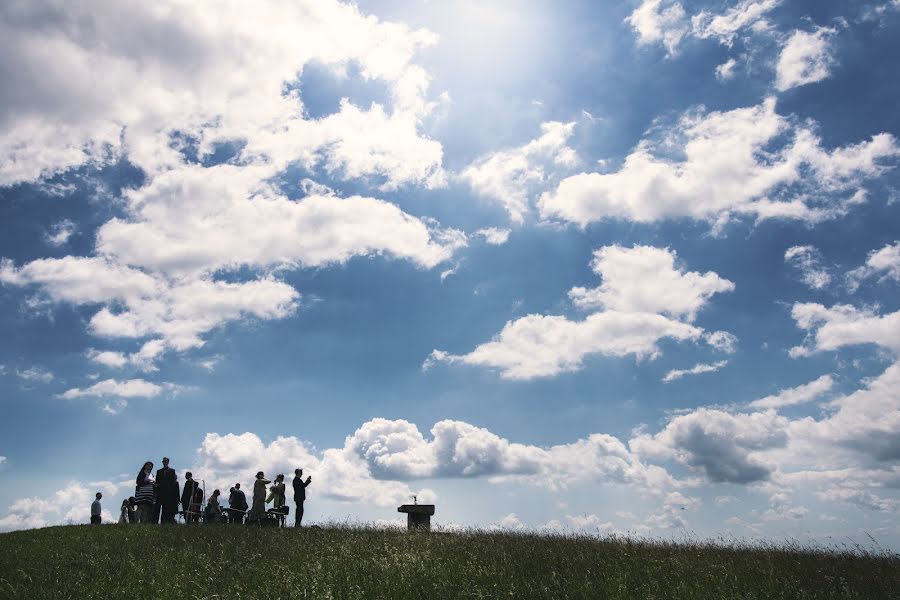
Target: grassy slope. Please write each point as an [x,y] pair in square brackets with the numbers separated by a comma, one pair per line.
[246,562]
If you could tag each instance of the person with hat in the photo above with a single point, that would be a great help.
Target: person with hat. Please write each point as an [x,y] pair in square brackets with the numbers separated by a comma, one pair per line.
[259,498]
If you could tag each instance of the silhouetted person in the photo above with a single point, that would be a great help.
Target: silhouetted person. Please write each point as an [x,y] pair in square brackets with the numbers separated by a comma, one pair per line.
[188,492]
[95,509]
[259,497]
[300,493]
[213,510]
[167,492]
[132,510]
[125,513]
[238,501]
[277,496]
[145,493]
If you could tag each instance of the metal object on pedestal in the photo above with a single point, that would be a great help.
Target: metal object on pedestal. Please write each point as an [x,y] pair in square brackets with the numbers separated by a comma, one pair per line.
[418,516]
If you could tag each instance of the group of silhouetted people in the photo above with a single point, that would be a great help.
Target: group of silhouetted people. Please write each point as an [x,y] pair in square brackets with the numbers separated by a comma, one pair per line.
[156,499]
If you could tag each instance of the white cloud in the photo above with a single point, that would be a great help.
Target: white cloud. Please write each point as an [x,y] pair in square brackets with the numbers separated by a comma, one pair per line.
[493,235]
[510,176]
[715,166]
[108,358]
[137,305]
[2,460]
[665,22]
[119,392]
[796,395]
[544,346]
[511,522]
[808,260]
[71,504]
[725,71]
[638,284]
[199,220]
[645,279]
[132,388]
[725,447]
[654,22]
[722,341]
[60,233]
[884,263]
[861,430]
[844,325]
[725,26]
[697,369]
[806,58]
[178,82]
[216,73]
[35,375]
[396,450]
[143,359]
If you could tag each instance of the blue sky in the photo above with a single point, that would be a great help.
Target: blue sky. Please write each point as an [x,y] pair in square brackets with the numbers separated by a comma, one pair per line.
[590,266]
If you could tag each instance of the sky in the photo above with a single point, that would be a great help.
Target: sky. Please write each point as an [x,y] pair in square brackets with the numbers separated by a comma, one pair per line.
[586,266]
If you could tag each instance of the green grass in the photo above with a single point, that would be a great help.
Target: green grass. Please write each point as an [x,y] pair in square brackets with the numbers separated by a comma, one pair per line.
[352,562]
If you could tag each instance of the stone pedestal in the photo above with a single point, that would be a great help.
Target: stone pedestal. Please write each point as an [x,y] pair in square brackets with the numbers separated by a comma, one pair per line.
[418,516]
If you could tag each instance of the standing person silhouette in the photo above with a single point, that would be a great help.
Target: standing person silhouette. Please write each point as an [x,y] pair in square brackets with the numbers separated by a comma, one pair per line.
[238,501]
[300,493]
[96,511]
[188,492]
[145,493]
[167,491]
[259,498]
[278,496]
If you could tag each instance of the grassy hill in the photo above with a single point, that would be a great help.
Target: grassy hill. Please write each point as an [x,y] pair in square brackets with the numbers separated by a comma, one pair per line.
[248,562]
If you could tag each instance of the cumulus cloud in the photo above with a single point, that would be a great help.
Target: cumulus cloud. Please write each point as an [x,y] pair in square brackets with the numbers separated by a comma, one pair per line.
[215,73]
[70,504]
[35,375]
[646,279]
[656,22]
[494,236]
[883,263]
[844,325]
[864,423]
[665,22]
[796,395]
[726,25]
[377,462]
[861,427]
[715,166]
[725,71]
[60,233]
[117,393]
[806,58]
[808,261]
[511,176]
[642,299]
[132,388]
[396,449]
[136,304]
[697,369]
[199,220]
[723,341]
[180,83]
[725,447]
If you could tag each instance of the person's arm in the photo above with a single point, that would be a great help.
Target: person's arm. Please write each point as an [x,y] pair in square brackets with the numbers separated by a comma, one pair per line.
[308,480]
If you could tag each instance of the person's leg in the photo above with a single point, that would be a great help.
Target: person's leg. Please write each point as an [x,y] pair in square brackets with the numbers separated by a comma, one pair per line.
[95,520]
[299,514]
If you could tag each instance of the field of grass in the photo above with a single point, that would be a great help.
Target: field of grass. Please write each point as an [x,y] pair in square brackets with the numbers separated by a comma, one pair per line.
[235,562]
